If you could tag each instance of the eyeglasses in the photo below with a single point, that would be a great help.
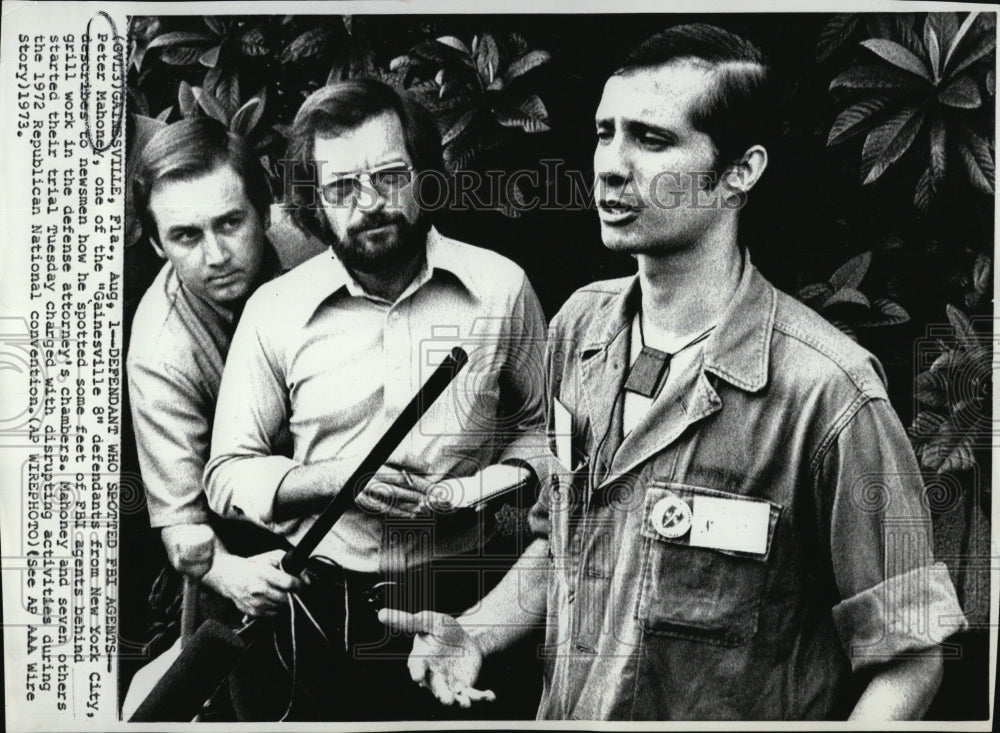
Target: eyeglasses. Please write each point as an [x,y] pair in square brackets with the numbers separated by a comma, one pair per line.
[386,179]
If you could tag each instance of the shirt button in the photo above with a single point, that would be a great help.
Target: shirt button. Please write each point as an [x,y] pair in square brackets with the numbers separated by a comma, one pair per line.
[395,315]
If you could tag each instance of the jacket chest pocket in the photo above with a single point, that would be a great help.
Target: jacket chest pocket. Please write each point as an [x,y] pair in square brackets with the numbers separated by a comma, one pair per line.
[712,592]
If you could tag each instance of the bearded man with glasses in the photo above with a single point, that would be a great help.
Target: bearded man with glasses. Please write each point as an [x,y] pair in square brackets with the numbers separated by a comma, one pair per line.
[330,353]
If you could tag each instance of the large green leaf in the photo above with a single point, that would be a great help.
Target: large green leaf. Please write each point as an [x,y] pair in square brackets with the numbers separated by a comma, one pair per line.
[886,312]
[852,272]
[945,26]
[218,25]
[186,101]
[848,297]
[213,108]
[856,118]
[247,116]
[460,125]
[212,78]
[877,77]
[899,27]
[931,388]
[930,181]
[227,91]
[949,453]
[487,58]
[441,53]
[815,294]
[308,45]
[888,142]
[962,93]
[933,50]
[898,56]
[924,193]
[455,43]
[938,148]
[178,38]
[973,41]
[525,64]
[180,55]
[962,327]
[211,57]
[253,43]
[529,114]
[976,155]
[834,33]
[981,274]
[926,424]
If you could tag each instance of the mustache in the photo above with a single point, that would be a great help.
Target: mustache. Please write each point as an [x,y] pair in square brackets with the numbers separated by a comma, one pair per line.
[375,221]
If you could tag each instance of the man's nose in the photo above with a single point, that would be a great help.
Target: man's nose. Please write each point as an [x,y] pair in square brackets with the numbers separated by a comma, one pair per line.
[612,167]
[215,250]
[369,198]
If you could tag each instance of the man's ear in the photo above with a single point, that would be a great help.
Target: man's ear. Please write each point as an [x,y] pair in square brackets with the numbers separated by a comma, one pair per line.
[744,174]
[157,248]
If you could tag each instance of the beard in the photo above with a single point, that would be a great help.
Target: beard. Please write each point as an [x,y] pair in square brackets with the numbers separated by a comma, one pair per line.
[381,242]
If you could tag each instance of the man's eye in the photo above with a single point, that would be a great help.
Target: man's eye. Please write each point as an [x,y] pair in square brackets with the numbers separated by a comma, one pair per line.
[604,135]
[187,236]
[653,140]
[338,190]
[231,225]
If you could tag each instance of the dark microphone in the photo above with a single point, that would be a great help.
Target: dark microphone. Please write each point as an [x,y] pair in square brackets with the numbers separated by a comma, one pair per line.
[183,689]
[208,658]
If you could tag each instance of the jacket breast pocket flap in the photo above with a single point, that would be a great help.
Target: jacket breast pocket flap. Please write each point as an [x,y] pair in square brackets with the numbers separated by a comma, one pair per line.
[704,562]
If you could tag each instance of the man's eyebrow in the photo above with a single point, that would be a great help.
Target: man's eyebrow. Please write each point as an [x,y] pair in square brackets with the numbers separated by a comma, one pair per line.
[636,126]
[337,174]
[639,127]
[229,214]
[182,229]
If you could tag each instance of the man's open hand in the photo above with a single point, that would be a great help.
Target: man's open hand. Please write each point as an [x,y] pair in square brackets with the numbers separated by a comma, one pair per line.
[444,659]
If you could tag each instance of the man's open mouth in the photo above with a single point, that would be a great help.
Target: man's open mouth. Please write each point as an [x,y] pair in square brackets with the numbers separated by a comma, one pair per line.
[613,211]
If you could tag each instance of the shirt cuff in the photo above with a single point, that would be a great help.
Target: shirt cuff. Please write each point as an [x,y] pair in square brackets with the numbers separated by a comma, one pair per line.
[910,612]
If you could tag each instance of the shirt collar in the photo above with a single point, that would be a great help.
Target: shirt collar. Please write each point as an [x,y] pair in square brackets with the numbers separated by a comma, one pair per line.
[441,256]
[739,348]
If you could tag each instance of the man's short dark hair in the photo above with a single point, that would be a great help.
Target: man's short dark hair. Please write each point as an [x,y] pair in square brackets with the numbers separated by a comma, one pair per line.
[192,148]
[341,107]
[734,112]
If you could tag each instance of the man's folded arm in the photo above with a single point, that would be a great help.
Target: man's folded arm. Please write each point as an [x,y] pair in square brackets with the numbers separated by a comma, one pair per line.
[247,466]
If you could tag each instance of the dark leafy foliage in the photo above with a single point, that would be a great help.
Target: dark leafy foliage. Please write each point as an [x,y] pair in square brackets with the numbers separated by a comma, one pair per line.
[252,73]
[955,396]
[841,302]
[933,87]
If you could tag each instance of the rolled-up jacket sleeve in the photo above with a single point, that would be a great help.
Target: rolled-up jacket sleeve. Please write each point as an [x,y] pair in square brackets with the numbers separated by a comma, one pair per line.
[247,466]
[895,599]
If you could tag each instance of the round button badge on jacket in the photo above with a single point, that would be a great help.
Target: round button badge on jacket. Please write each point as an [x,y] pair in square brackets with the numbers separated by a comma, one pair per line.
[671,516]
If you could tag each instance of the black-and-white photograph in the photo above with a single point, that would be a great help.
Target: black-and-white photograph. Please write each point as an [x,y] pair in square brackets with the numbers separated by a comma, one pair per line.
[574,367]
